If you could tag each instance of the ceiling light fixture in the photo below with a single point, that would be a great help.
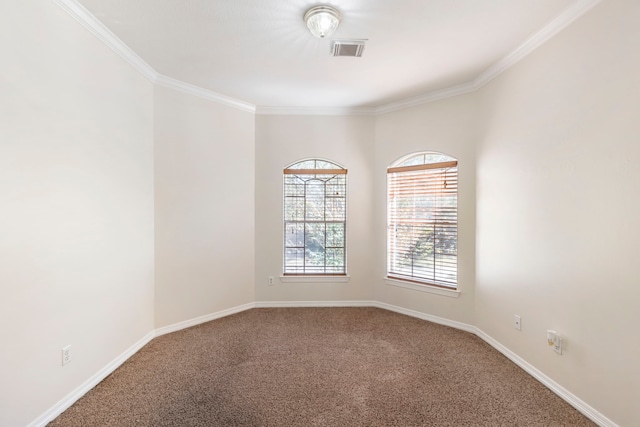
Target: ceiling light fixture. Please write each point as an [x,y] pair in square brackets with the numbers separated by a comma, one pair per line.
[322,21]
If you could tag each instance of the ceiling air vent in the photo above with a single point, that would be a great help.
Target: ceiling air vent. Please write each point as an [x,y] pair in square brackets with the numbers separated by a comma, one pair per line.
[347,47]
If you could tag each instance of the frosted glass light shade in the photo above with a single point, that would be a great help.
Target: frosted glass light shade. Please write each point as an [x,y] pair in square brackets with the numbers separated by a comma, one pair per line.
[322,21]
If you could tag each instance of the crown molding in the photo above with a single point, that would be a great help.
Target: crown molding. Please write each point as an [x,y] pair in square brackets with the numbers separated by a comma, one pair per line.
[317,111]
[95,27]
[558,24]
[209,95]
[436,95]
[91,23]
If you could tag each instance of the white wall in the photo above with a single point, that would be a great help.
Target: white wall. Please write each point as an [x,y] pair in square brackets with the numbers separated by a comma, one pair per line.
[204,199]
[558,210]
[546,150]
[281,140]
[450,127]
[76,207]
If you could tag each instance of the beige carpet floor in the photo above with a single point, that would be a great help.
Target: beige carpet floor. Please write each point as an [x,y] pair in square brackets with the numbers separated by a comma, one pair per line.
[319,367]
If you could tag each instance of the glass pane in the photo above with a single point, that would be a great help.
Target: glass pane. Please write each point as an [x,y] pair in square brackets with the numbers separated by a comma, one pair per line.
[401,264]
[292,180]
[336,186]
[335,209]
[335,260]
[412,161]
[294,235]
[314,164]
[294,187]
[321,164]
[315,200]
[305,164]
[294,208]
[425,159]
[423,245]
[445,268]
[446,241]
[294,261]
[335,235]
[314,244]
[437,158]
[314,269]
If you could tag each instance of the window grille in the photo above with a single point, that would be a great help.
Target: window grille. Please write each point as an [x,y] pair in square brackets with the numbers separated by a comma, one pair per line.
[422,220]
[315,208]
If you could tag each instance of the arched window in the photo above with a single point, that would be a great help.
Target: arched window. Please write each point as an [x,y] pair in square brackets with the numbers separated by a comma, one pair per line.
[315,218]
[422,219]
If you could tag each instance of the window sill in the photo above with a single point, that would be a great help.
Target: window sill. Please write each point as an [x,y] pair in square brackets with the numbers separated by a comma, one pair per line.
[314,279]
[451,293]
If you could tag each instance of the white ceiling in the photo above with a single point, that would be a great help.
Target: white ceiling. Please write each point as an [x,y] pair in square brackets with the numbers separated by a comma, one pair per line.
[260,52]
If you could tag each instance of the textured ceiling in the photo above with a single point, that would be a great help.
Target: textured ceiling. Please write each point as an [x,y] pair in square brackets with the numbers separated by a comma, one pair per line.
[260,52]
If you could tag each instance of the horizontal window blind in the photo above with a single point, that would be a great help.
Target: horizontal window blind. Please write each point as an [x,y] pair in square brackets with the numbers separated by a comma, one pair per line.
[423,223]
[315,219]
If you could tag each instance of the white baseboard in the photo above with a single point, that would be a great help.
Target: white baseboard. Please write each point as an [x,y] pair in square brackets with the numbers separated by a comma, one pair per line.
[563,393]
[202,319]
[291,304]
[76,394]
[364,303]
[428,317]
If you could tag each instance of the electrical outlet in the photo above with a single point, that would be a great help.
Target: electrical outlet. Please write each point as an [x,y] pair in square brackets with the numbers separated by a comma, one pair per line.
[517,322]
[557,345]
[270,280]
[554,340]
[66,355]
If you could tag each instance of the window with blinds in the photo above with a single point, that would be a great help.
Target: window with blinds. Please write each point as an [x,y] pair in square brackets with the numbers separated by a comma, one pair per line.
[315,218]
[422,220]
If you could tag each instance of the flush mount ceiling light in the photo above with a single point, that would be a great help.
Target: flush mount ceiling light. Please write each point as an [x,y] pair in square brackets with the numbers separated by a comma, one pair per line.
[322,21]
